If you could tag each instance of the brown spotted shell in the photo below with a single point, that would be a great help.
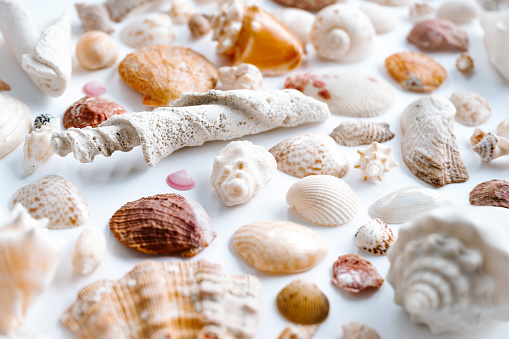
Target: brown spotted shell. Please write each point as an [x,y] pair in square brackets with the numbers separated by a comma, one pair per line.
[90,111]
[353,273]
[491,193]
[163,224]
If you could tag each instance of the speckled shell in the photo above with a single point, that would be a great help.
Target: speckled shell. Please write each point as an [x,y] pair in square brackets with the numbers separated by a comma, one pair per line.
[185,300]
[353,273]
[374,237]
[280,246]
[149,29]
[55,198]
[310,154]
[472,109]
[122,9]
[354,132]
[407,203]
[358,330]
[165,224]
[15,123]
[491,193]
[489,146]
[37,148]
[382,19]
[348,93]
[464,63]
[324,200]
[375,161]
[437,34]
[459,12]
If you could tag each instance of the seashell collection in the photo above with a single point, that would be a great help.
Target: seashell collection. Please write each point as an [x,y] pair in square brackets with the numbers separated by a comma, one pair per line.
[220,67]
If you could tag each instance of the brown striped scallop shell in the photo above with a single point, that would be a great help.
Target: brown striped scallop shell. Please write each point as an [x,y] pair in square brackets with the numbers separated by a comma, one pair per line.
[354,132]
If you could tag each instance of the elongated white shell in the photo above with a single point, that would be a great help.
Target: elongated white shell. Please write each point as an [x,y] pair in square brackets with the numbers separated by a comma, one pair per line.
[298,21]
[149,29]
[88,251]
[375,161]
[382,19]
[472,109]
[496,39]
[15,123]
[324,200]
[37,149]
[407,203]
[280,246]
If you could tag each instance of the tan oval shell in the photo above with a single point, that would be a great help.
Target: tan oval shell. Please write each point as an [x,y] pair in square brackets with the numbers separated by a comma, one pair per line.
[354,132]
[303,303]
[94,17]
[55,198]
[374,237]
[353,273]
[459,12]
[149,29]
[358,330]
[472,109]
[310,154]
[15,123]
[324,200]
[96,50]
[438,34]
[280,246]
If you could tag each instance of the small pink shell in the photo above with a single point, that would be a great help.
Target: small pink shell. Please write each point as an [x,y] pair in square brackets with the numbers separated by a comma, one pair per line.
[94,88]
[353,273]
[180,180]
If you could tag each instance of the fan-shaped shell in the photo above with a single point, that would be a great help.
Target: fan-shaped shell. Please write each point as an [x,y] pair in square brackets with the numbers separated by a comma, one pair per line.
[280,246]
[407,203]
[55,198]
[472,109]
[15,123]
[353,273]
[149,29]
[354,132]
[310,154]
[37,148]
[348,93]
[185,300]
[303,303]
[459,12]
[323,199]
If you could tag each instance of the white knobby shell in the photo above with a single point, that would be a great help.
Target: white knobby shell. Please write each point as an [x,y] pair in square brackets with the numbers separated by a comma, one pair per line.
[472,109]
[342,33]
[243,76]
[37,148]
[89,251]
[459,12]
[407,203]
[503,129]
[240,170]
[375,161]
[324,200]
[149,29]
[496,39]
[382,19]
[420,11]
[298,21]
[15,123]
[374,237]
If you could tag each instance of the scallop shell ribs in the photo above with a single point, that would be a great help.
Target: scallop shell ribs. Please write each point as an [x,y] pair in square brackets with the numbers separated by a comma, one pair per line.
[184,300]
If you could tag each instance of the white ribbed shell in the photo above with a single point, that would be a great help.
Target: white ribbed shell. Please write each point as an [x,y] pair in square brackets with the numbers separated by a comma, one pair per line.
[15,123]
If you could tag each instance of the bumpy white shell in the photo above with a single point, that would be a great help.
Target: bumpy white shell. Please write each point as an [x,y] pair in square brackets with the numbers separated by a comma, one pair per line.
[149,29]
[342,33]
[459,12]
[374,237]
[55,198]
[420,11]
[310,154]
[449,269]
[375,161]
[37,148]
[243,76]
[298,21]
[15,123]
[496,39]
[89,251]
[472,109]
[28,261]
[280,246]
[324,200]
[407,203]
[382,19]
[240,170]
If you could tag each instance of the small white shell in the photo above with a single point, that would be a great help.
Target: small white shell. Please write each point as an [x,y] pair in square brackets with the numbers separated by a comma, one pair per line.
[149,29]
[503,129]
[15,123]
[243,76]
[382,19]
[375,161]
[472,109]
[88,251]
[374,237]
[420,11]
[324,200]
[37,149]
[459,12]
[358,330]
[496,39]
[354,132]
[298,21]
[406,204]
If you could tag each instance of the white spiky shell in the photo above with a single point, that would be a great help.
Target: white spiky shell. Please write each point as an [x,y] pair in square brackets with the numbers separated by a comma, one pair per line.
[374,237]
[89,251]
[28,261]
[496,39]
[148,29]
[375,161]
[407,203]
[354,132]
[382,19]
[37,148]
[459,12]
[15,123]
[324,200]
[449,268]
[472,109]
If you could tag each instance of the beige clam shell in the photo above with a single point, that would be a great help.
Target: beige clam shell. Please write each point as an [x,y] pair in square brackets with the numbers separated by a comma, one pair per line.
[15,123]
[149,29]
[472,109]
[459,12]
[324,200]
[280,246]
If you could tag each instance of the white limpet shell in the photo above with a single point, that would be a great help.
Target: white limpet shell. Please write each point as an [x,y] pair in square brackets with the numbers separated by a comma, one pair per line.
[342,33]
[122,9]
[382,19]
[280,247]
[37,148]
[374,237]
[459,12]
[407,203]
[240,170]
[489,146]
[27,265]
[298,332]
[420,11]
[324,200]
[449,268]
[375,161]
[15,123]
[55,198]
[89,251]
[149,29]
[496,39]
[243,76]
[472,109]
[359,330]
[354,132]
[310,154]
[298,21]
[503,129]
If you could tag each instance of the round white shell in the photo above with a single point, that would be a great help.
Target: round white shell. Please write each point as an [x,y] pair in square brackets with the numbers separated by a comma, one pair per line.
[149,29]
[374,237]
[88,251]
[382,19]
[15,123]
[298,21]
[459,12]
[472,109]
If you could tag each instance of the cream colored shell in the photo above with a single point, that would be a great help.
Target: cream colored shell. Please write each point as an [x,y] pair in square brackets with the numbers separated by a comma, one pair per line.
[382,19]
[393,2]
[375,161]
[181,11]
[37,148]
[420,11]
[472,109]
[149,29]
[489,146]
[496,39]
[122,9]
[298,21]
[243,76]
[459,12]
[503,129]
[359,330]
[96,50]
[374,237]
[342,33]
[15,123]
[89,251]
[324,200]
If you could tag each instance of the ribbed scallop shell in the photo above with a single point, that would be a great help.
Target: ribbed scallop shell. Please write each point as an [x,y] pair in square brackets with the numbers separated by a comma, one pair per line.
[280,246]
[37,148]
[407,203]
[310,154]
[374,237]
[472,109]
[324,200]
[354,132]
[15,123]
[353,273]
[184,300]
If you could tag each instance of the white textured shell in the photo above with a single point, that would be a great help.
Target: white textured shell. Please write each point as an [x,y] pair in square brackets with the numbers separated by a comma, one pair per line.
[27,265]
[37,148]
[496,39]
[298,21]
[407,203]
[374,237]
[342,33]
[472,109]
[240,170]
[280,246]
[324,200]
[459,12]
[243,76]
[89,251]
[15,123]
[420,11]
[448,268]
[382,19]
[310,154]
[503,129]
[55,198]
[149,29]
[375,161]
[489,146]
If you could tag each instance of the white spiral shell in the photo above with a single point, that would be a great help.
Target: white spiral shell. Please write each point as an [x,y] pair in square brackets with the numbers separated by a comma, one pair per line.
[375,161]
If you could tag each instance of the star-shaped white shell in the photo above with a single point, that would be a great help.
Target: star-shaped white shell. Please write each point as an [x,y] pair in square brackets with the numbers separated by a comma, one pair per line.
[375,161]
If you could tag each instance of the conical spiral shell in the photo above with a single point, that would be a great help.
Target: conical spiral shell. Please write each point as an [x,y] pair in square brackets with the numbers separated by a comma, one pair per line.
[15,123]
[354,132]
[324,200]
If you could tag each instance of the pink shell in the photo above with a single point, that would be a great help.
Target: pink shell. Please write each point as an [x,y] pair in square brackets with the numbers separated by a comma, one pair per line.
[353,273]
[94,88]
[180,180]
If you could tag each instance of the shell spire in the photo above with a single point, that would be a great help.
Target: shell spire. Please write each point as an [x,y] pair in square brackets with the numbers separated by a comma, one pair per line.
[375,161]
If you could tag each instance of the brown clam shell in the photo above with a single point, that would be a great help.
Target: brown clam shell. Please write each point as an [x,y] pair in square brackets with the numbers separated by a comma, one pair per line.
[491,193]
[436,34]
[90,111]
[163,224]
[353,273]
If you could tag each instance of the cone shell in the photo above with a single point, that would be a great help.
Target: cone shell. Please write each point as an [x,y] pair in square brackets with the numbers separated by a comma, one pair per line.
[163,224]
[438,34]
[303,303]
[324,200]
[55,198]
[280,246]
[354,132]
[491,193]
[310,154]
[472,109]
[374,237]
[353,273]
[15,123]
[185,300]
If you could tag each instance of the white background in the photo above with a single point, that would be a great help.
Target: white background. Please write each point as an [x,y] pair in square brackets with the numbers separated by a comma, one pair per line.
[108,183]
